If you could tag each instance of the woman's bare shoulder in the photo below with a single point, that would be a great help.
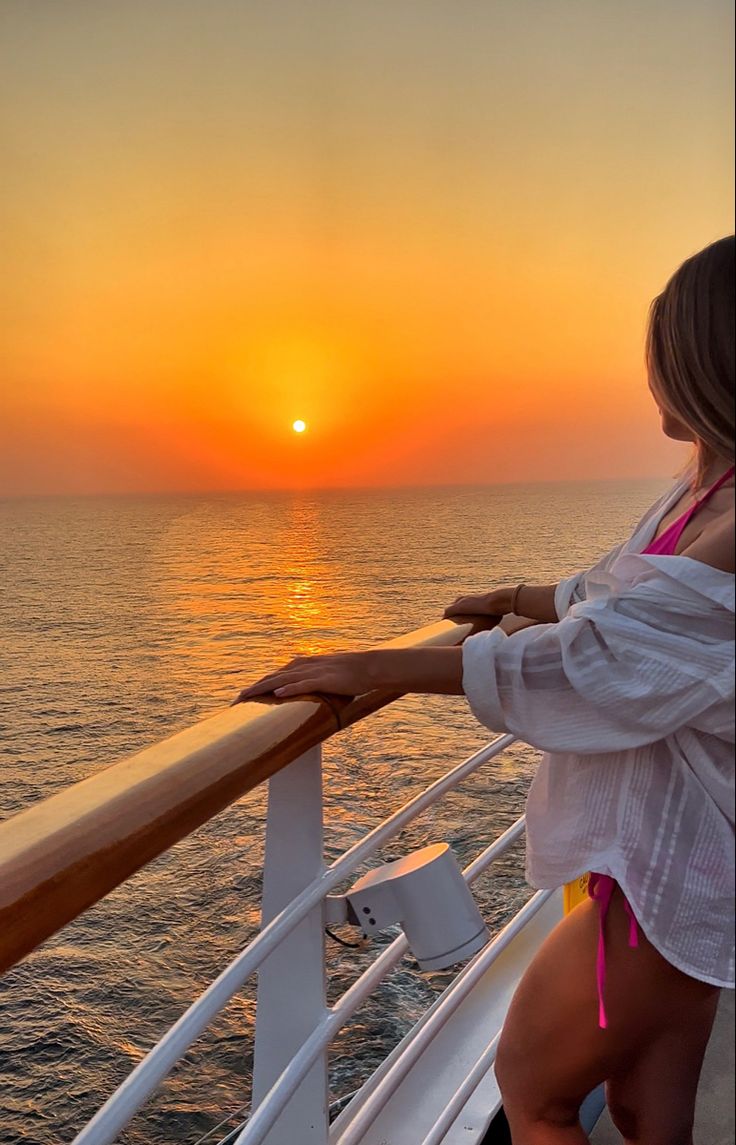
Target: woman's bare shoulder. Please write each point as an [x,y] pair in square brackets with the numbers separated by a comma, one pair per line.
[715,545]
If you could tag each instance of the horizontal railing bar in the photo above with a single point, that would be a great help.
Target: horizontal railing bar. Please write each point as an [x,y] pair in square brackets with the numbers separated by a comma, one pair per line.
[496,848]
[439,1016]
[137,1087]
[65,853]
[463,1093]
[286,1085]
[229,1136]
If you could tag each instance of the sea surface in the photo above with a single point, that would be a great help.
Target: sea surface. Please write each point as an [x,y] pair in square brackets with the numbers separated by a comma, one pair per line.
[123,620]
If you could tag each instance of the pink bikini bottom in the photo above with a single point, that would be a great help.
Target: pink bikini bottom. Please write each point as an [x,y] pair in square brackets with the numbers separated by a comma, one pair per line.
[601,888]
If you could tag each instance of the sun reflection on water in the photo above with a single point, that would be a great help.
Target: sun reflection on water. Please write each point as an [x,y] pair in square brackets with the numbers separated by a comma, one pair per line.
[266,566]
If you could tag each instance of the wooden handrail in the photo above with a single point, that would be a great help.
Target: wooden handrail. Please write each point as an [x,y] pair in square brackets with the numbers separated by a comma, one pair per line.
[67,852]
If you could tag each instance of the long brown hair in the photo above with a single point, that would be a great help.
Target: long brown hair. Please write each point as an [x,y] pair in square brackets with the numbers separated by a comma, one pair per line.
[690,349]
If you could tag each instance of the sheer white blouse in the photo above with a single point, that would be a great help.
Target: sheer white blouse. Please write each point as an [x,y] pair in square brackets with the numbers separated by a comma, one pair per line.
[631,697]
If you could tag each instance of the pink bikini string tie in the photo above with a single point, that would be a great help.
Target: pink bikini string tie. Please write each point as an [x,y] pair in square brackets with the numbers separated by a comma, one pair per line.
[601,888]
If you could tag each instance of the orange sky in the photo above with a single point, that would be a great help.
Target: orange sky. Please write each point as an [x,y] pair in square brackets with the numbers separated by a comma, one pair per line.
[431,229]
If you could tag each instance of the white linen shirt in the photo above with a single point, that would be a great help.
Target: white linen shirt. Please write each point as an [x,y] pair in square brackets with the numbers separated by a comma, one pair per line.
[631,697]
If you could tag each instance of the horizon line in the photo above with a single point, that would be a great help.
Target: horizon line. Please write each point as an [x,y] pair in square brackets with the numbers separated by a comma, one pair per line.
[305,489]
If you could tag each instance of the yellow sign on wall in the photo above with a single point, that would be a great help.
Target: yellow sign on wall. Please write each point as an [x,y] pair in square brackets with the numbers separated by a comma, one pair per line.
[575,892]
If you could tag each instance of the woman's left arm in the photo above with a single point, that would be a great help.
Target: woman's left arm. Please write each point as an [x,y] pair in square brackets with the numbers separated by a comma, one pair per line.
[429,670]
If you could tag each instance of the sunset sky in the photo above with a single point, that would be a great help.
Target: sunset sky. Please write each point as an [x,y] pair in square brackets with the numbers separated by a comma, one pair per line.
[428,228]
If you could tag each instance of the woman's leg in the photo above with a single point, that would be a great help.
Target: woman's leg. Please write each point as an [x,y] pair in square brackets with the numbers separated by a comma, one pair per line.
[553,1053]
[653,1099]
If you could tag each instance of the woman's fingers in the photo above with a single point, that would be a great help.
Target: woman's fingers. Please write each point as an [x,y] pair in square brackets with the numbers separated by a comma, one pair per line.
[265,685]
[301,688]
[299,676]
[288,684]
[269,684]
[476,604]
[346,674]
[463,606]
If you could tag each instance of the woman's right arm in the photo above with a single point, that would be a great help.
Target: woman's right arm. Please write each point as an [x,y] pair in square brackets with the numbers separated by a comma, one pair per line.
[546,604]
[617,672]
[533,603]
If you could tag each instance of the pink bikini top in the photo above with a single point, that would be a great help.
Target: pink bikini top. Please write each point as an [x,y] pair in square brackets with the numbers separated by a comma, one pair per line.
[666,543]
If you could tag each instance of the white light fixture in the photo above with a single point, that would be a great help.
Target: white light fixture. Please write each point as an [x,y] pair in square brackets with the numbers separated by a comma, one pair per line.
[427,895]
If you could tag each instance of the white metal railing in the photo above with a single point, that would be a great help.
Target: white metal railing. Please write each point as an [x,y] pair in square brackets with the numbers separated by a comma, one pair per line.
[266,1114]
[294,1027]
[151,1071]
[463,984]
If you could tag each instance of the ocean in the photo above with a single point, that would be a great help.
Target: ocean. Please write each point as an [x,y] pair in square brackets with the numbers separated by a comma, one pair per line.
[123,620]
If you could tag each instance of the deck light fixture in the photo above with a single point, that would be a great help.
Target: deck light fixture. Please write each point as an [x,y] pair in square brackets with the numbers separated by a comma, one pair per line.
[425,893]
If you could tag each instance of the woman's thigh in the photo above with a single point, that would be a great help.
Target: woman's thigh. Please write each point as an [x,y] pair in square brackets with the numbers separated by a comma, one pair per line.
[553,1052]
[652,1098]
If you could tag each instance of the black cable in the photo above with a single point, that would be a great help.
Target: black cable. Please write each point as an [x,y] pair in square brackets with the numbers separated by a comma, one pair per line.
[336,938]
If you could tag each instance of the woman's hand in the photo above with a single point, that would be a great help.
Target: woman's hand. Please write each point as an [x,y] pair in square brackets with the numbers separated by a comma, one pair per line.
[494,603]
[429,670]
[535,602]
[338,674]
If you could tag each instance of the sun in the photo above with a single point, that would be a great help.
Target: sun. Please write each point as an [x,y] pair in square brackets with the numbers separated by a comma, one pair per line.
[299,426]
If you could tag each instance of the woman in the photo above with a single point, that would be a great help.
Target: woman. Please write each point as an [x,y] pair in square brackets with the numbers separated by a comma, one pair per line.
[624,676]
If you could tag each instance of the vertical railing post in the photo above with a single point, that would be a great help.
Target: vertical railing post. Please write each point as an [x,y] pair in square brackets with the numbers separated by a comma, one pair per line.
[291,982]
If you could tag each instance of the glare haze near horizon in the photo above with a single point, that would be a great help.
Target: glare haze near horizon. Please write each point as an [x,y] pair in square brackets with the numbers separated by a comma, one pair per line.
[428,232]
